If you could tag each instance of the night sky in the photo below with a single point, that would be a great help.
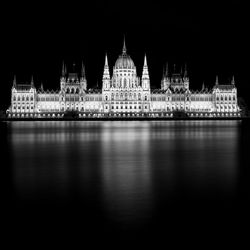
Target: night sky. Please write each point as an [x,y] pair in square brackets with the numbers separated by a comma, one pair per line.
[211,38]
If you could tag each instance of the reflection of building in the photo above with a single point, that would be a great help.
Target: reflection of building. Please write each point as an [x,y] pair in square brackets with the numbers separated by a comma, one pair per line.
[123,93]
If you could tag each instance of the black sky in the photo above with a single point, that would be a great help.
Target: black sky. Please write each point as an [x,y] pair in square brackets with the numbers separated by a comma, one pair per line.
[211,37]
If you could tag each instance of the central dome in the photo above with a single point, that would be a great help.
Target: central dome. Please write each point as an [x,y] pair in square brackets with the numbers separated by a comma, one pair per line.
[124,61]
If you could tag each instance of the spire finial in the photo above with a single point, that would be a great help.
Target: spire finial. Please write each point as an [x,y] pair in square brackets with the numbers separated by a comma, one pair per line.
[145,61]
[32,81]
[217,80]
[185,70]
[41,86]
[83,71]
[233,81]
[124,50]
[14,81]
[106,59]
[166,72]
[203,86]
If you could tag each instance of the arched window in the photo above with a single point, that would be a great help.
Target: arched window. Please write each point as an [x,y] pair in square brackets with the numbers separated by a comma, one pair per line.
[31,98]
[67,91]
[23,98]
[221,98]
[229,98]
[225,98]
[77,91]
[72,91]
[134,95]
[146,98]
[117,96]
[139,96]
[125,82]
[27,98]
[112,96]
[106,98]
[14,98]
[18,98]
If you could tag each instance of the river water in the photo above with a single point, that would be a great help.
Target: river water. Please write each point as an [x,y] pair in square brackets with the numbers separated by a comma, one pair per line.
[126,177]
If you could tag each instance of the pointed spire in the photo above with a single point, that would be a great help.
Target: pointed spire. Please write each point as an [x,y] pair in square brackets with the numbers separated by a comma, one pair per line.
[185,71]
[163,73]
[217,80]
[63,69]
[32,81]
[106,60]
[203,86]
[233,81]
[124,50]
[83,71]
[106,68]
[41,86]
[145,61]
[14,81]
[166,72]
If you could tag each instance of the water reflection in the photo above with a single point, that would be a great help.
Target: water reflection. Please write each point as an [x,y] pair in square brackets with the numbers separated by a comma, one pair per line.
[128,169]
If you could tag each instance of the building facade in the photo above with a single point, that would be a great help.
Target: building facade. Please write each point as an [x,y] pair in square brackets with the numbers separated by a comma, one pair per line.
[124,94]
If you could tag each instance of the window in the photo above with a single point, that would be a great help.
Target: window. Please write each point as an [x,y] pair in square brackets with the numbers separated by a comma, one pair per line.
[145,98]
[106,98]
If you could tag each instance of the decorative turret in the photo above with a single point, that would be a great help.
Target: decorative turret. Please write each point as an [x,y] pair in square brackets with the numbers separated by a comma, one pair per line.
[145,75]
[14,82]
[185,73]
[203,86]
[216,81]
[106,76]
[83,80]
[32,82]
[233,81]
[41,87]
[165,79]
[63,70]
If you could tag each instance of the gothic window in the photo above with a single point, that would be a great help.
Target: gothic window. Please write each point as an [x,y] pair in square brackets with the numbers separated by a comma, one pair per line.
[145,98]
[27,98]
[67,91]
[106,98]
[18,98]
[139,96]
[225,98]
[126,96]
[234,98]
[23,98]
[221,98]
[117,96]
[77,91]
[72,91]
[112,97]
[31,98]
[134,95]
[14,98]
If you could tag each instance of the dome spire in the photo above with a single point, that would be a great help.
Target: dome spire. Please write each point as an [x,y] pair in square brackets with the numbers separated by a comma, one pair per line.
[124,50]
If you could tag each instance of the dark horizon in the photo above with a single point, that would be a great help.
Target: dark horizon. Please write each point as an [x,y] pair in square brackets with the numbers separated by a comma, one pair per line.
[210,38]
